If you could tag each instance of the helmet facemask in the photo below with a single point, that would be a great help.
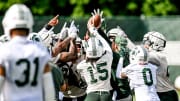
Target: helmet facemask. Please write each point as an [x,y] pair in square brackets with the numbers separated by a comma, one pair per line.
[158,41]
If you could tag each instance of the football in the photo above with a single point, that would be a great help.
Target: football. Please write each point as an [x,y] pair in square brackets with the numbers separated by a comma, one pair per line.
[96,20]
[177,83]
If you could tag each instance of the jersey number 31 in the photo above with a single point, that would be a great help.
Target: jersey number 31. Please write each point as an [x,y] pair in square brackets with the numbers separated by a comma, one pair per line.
[26,72]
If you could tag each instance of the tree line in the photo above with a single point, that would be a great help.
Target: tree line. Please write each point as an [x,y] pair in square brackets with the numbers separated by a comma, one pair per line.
[82,8]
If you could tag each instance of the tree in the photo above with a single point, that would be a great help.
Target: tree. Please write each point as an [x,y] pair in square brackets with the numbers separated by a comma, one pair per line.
[82,8]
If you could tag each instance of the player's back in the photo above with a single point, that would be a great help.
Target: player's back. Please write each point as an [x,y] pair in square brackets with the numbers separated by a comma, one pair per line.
[163,82]
[24,63]
[141,74]
[97,74]
[143,80]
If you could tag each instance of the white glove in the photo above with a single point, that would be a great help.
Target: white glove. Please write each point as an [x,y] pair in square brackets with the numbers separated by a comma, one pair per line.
[99,13]
[61,95]
[73,30]
[64,32]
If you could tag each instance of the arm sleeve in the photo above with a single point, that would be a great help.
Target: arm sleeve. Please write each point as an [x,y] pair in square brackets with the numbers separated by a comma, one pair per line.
[154,59]
[105,43]
[49,90]
[44,33]
[119,68]
[44,30]
[104,36]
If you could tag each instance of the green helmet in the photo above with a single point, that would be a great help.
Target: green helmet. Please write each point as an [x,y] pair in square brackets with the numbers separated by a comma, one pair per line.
[120,40]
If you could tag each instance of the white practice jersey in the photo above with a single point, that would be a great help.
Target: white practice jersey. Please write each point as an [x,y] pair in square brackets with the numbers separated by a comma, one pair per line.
[163,82]
[143,81]
[97,75]
[24,63]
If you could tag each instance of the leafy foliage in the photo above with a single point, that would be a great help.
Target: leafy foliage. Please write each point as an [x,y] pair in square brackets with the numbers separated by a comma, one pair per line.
[80,8]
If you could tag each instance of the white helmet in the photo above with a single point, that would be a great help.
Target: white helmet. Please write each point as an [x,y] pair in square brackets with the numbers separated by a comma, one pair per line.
[138,55]
[17,16]
[94,48]
[34,37]
[156,40]
[115,32]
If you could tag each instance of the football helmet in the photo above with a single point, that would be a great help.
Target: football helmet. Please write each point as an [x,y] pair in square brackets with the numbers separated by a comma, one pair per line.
[17,16]
[121,41]
[34,37]
[158,41]
[115,32]
[138,55]
[94,48]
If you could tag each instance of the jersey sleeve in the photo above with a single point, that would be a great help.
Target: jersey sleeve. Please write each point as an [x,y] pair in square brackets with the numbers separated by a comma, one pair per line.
[3,56]
[119,68]
[80,67]
[153,58]
[44,30]
[105,43]
[127,70]
[44,54]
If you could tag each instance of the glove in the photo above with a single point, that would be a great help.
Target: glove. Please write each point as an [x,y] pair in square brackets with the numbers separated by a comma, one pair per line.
[61,95]
[73,30]
[64,32]
[99,13]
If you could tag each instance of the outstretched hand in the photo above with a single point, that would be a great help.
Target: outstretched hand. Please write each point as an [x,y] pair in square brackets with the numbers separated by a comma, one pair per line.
[54,21]
[98,12]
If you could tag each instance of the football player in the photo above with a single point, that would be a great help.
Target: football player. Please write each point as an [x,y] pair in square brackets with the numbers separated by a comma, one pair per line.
[155,42]
[121,86]
[142,75]
[96,68]
[24,71]
[112,33]
[62,49]
[76,90]
[123,90]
